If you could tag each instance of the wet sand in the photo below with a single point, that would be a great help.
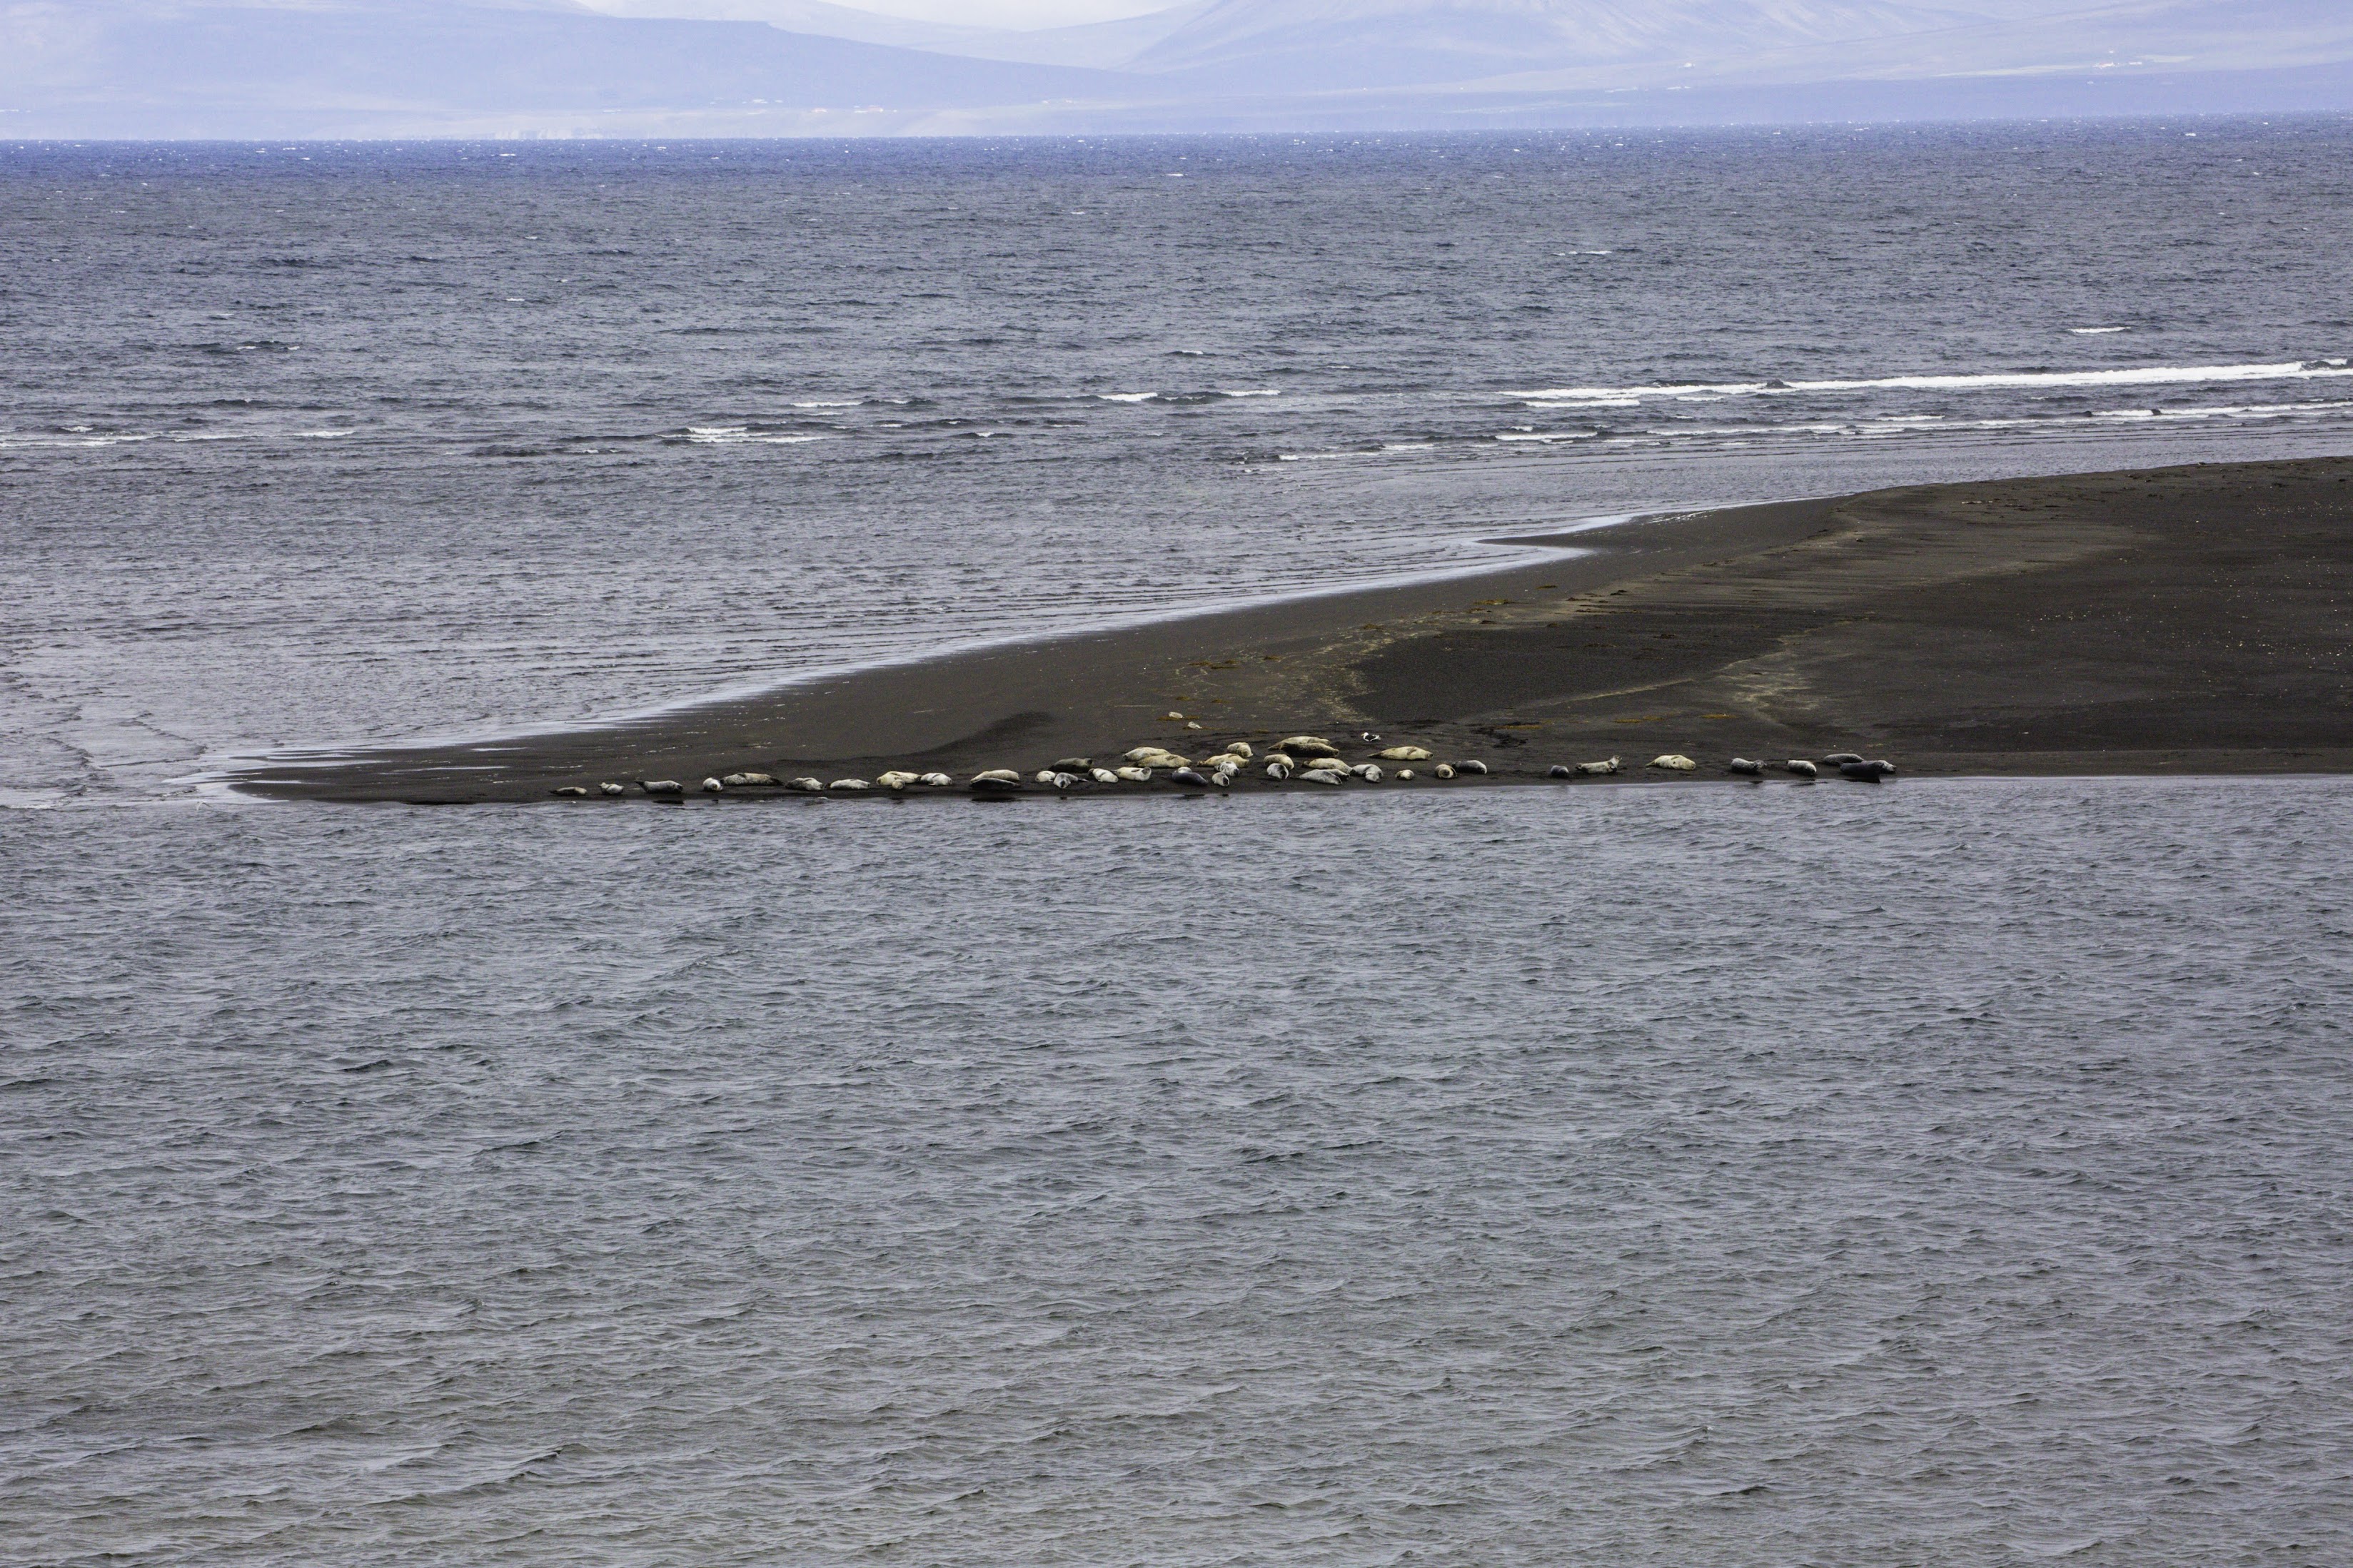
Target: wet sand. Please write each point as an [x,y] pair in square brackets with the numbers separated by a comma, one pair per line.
[2178,620]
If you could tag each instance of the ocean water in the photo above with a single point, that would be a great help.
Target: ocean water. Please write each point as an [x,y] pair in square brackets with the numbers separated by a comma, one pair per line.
[1947,1172]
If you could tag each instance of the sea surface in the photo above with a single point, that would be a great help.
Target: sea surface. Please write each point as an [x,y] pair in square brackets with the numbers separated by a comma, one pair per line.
[1946,1172]
[1949,1172]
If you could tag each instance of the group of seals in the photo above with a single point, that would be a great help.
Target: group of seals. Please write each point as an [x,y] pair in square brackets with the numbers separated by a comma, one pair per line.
[1310,759]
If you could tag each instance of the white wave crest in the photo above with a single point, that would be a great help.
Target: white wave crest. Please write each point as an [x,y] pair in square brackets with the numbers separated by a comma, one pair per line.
[2147,376]
[744,436]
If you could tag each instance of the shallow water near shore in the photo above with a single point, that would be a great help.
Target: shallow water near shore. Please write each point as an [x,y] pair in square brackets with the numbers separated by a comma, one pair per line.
[1944,1171]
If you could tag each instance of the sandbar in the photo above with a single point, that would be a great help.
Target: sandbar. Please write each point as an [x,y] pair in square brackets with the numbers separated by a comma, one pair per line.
[2182,620]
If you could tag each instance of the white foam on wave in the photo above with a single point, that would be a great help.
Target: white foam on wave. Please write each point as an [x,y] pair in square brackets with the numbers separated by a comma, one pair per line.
[72,441]
[1704,432]
[2095,331]
[1215,392]
[1994,381]
[744,436]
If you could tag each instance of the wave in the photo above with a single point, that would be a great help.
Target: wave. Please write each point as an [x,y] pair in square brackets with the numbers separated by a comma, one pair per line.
[1208,396]
[73,438]
[744,436]
[1994,381]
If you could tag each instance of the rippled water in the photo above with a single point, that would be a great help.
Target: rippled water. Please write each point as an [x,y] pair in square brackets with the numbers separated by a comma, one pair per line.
[1946,1172]
[306,445]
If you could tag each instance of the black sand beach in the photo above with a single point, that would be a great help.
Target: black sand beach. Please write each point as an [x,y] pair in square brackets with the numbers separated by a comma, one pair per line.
[2177,620]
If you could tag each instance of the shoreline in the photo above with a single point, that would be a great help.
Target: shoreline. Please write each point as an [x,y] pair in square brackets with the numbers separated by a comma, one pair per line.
[2153,621]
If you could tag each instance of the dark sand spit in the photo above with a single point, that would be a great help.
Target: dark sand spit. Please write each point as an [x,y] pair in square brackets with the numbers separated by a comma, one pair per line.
[2190,620]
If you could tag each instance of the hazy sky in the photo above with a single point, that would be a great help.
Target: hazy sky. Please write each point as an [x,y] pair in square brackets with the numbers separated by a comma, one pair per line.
[1021,14]
[1011,12]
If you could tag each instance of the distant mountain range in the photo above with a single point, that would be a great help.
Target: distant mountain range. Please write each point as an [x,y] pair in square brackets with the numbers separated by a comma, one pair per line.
[734,68]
